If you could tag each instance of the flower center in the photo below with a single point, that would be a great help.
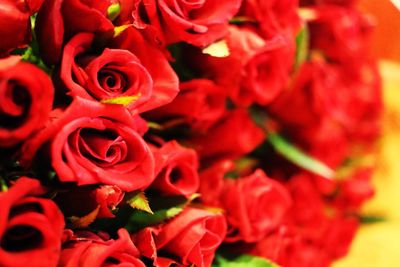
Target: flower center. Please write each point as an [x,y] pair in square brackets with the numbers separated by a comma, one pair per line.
[20,238]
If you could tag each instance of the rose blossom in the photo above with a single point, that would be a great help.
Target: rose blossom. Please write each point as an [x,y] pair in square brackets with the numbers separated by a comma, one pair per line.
[114,73]
[26,98]
[94,143]
[221,143]
[86,249]
[342,34]
[254,204]
[176,170]
[200,103]
[30,227]
[198,23]
[258,68]
[192,237]
[59,20]
[272,17]
[15,26]
[165,81]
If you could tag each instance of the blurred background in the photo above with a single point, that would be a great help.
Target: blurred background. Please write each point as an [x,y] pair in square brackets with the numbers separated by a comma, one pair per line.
[378,244]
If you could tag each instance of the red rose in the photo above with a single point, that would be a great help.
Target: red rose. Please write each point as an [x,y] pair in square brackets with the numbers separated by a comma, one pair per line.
[30,227]
[176,170]
[58,20]
[89,250]
[200,103]
[221,143]
[114,73]
[286,247]
[25,100]
[355,190]
[199,23]
[212,181]
[165,81]
[317,111]
[308,101]
[254,206]
[83,200]
[272,16]
[192,238]
[308,208]
[258,68]
[15,26]
[93,143]
[341,33]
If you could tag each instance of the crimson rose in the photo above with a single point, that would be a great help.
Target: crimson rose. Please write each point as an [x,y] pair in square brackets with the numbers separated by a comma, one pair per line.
[254,205]
[30,227]
[200,104]
[94,143]
[26,98]
[114,73]
[192,238]
[197,23]
[222,143]
[176,170]
[15,26]
[59,20]
[86,249]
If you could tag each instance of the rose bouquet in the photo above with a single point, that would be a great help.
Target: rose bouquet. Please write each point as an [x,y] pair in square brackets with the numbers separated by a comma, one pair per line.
[184,133]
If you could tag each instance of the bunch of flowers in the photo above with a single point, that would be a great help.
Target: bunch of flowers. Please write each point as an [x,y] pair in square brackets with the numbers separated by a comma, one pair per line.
[184,133]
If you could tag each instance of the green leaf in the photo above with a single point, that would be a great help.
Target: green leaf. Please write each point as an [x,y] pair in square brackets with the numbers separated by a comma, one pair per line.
[113,11]
[3,186]
[85,221]
[241,20]
[288,150]
[242,261]
[298,157]
[121,100]
[302,46]
[169,207]
[138,200]
[370,219]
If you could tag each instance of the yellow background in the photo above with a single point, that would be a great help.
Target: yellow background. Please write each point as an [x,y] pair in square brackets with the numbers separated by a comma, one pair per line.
[378,244]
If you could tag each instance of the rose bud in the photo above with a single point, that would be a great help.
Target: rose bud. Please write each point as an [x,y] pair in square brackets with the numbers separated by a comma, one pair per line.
[91,143]
[15,26]
[176,170]
[26,99]
[197,23]
[254,205]
[89,250]
[200,103]
[165,80]
[221,143]
[81,201]
[30,227]
[59,20]
[191,238]
[112,74]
